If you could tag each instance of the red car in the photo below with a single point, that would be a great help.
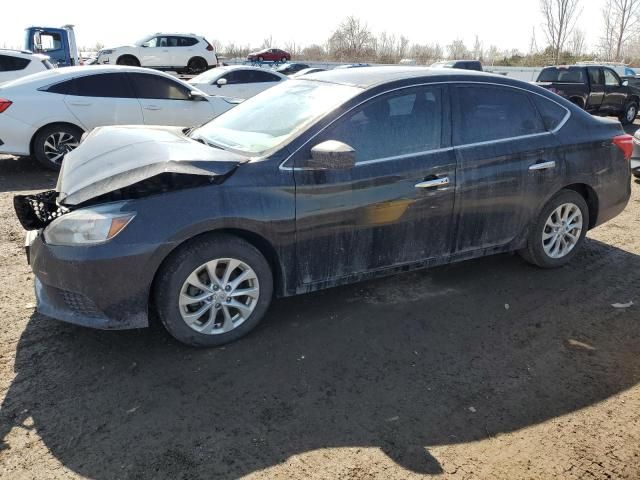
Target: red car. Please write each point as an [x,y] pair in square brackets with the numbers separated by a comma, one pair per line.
[269,55]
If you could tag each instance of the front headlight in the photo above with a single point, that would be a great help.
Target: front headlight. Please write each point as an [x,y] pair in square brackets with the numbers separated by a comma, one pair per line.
[86,226]
[105,52]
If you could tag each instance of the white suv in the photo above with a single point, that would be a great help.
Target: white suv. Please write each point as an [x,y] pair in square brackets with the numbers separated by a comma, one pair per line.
[164,51]
[19,63]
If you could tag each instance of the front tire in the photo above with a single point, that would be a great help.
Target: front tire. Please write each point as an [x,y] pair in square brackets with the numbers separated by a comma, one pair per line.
[558,232]
[629,114]
[213,290]
[52,143]
[128,60]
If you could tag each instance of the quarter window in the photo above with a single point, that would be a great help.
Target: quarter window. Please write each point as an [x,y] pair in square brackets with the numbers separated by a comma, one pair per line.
[552,114]
[492,113]
[405,122]
[11,64]
[157,87]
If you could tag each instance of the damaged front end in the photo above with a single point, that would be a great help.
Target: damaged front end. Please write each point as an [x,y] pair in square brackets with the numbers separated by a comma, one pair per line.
[125,163]
[37,211]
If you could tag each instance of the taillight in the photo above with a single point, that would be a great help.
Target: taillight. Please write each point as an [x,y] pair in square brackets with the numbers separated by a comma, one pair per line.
[209,46]
[624,143]
[4,104]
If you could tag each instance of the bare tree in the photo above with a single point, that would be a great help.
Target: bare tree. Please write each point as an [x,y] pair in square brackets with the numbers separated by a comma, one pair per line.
[313,52]
[533,44]
[560,18]
[477,49]
[457,50]
[491,55]
[293,48]
[577,43]
[426,54]
[352,40]
[267,42]
[621,23]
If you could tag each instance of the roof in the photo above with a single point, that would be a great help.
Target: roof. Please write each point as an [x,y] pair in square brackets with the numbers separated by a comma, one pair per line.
[367,77]
[9,51]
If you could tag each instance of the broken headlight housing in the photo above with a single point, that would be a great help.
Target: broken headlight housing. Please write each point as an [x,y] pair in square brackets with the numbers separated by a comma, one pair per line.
[87,226]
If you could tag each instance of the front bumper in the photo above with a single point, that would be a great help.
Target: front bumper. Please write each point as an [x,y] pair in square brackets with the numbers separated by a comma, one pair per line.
[99,287]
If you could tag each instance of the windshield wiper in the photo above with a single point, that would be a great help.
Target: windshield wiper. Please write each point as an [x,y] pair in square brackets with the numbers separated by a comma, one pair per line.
[206,142]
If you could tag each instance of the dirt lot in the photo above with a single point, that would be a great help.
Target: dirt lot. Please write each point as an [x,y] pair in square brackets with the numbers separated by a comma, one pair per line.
[485,369]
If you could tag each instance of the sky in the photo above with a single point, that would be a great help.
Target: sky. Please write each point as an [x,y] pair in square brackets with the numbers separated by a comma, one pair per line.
[505,23]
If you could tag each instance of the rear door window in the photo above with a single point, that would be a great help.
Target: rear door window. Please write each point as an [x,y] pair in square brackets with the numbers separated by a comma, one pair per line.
[564,75]
[595,76]
[112,85]
[488,113]
[156,87]
[238,76]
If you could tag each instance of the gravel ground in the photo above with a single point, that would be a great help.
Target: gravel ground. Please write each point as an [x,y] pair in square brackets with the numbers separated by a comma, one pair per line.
[484,369]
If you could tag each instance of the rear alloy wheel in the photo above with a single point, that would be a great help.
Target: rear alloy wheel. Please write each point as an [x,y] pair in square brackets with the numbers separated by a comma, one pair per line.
[283,59]
[213,291]
[260,59]
[558,232]
[629,114]
[196,66]
[53,143]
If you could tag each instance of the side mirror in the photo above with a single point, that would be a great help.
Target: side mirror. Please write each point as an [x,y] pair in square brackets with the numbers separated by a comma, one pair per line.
[332,155]
[221,81]
[196,95]
[625,83]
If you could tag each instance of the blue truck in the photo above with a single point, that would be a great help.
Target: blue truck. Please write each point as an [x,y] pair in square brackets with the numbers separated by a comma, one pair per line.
[58,43]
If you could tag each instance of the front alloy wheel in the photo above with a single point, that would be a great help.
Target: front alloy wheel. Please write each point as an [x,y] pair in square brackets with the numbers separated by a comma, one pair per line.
[214,289]
[219,296]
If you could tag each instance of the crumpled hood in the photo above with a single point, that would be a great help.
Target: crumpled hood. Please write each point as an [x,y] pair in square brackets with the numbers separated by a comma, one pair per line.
[111,158]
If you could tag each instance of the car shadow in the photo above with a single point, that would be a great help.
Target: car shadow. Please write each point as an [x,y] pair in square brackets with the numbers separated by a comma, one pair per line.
[20,174]
[448,355]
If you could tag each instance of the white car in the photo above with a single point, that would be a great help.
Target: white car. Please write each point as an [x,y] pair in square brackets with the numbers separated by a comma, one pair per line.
[164,51]
[237,81]
[19,63]
[45,114]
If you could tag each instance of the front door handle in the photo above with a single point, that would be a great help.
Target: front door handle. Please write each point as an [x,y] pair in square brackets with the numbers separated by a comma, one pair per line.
[152,107]
[543,165]
[434,183]
[80,104]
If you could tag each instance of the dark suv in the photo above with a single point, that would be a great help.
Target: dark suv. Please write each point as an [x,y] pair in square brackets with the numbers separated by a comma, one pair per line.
[461,64]
[334,178]
[597,89]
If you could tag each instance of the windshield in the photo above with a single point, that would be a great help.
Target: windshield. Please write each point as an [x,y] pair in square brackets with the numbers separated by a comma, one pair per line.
[274,116]
[564,75]
[143,40]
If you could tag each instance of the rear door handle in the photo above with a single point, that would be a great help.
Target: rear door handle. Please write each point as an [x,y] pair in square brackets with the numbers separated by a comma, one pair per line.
[434,183]
[80,104]
[152,107]
[543,165]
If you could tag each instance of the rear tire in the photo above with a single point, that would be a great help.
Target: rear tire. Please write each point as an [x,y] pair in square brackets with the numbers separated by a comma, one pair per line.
[283,59]
[128,60]
[628,116]
[550,230]
[260,59]
[197,65]
[53,142]
[178,298]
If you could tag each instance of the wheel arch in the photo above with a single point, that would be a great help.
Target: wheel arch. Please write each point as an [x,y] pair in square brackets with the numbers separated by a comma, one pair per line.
[125,55]
[263,245]
[50,124]
[579,101]
[590,196]
[198,57]
[635,99]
